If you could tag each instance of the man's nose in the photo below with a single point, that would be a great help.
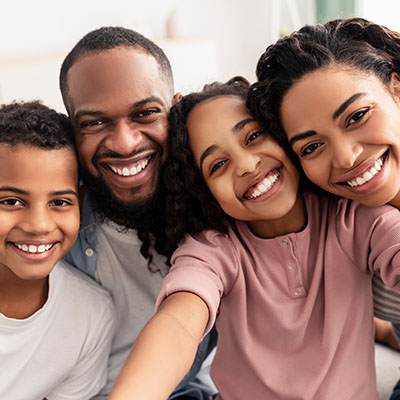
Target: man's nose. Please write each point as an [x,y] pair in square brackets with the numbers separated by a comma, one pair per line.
[124,137]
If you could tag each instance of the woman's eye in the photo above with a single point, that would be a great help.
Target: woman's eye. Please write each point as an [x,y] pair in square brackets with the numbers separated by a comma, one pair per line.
[11,202]
[253,136]
[357,116]
[310,149]
[216,166]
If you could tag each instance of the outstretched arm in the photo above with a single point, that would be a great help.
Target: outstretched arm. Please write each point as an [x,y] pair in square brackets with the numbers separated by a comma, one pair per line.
[164,350]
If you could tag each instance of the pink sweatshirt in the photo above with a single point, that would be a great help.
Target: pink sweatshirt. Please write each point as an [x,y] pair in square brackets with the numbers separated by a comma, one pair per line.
[296,311]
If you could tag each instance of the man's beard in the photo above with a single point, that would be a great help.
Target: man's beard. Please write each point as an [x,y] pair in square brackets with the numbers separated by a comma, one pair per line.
[141,214]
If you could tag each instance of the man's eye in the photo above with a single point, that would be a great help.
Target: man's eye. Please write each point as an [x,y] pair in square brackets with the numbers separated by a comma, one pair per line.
[146,113]
[310,149]
[253,136]
[216,166]
[88,124]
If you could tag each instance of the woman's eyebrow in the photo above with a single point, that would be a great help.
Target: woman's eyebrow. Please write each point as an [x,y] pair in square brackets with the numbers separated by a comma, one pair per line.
[301,136]
[346,103]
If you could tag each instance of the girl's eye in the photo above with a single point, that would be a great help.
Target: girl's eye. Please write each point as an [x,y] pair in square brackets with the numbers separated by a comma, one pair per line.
[310,149]
[59,203]
[11,202]
[216,166]
[358,115]
[253,136]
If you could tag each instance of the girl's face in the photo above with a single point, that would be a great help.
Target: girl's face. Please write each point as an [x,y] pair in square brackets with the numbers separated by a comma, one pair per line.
[345,127]
[247,172]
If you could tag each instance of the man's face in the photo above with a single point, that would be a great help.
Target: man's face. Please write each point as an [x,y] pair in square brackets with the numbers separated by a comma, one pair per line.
[119,104]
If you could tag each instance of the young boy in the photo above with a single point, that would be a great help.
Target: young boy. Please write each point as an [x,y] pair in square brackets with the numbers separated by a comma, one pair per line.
[56,324]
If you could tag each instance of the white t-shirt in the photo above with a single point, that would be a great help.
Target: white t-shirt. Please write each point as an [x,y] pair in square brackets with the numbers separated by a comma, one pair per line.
[61,351]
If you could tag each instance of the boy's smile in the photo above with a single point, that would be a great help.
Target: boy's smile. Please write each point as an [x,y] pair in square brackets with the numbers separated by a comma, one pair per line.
[39,209]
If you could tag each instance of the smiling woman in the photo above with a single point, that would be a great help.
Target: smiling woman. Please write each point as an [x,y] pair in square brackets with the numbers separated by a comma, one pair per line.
[337,106]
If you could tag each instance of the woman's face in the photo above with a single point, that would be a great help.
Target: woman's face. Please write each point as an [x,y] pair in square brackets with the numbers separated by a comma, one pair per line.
[345,127]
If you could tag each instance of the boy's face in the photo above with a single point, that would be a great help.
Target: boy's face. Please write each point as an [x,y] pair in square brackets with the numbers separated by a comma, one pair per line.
[39,209]
[247,172]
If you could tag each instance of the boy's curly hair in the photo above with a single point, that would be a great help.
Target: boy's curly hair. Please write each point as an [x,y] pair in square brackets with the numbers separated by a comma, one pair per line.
[34,124]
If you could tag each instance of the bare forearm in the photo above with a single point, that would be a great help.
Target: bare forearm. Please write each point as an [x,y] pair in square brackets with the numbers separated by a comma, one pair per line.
[163,352]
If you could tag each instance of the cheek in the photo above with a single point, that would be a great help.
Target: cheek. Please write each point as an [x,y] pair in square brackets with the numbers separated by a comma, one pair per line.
[315,172]
[70,224]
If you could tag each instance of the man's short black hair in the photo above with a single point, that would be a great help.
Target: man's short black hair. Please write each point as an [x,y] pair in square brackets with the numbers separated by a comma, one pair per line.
[34,124]
[108,38]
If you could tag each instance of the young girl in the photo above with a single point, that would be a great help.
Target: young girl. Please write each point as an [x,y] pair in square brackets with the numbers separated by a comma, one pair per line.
[334,91]
[286,276]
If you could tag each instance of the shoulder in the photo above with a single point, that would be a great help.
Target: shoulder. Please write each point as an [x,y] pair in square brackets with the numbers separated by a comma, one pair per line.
[207,239]
[347,211]
[85,290]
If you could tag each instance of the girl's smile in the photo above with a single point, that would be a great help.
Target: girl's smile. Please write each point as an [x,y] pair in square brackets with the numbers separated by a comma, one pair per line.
[248,173]
[345,127]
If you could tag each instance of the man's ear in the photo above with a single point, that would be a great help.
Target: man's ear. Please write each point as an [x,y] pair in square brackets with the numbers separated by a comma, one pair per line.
[394,86]
[177,98]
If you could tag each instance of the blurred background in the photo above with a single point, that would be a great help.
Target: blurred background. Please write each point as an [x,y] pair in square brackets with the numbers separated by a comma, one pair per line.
[205,40]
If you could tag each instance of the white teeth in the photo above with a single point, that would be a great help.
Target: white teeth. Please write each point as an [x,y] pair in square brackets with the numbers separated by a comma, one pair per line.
[368,175]
[131,172]
[265,185]
[31,248]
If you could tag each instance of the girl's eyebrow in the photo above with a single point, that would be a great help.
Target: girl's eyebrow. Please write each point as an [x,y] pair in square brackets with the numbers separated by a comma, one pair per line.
[241,124]
[211,149]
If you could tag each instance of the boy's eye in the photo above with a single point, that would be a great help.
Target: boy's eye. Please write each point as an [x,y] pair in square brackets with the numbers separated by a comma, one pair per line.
[310,148]
[216,166]
[253,136]
[11,202]
[60,203]
[358,115]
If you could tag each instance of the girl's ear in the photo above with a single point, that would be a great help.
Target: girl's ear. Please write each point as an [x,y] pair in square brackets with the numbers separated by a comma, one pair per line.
[177,98]
[394,86]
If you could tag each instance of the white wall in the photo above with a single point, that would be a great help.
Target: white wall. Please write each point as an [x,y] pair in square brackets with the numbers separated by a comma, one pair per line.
[385,12]
[213,39]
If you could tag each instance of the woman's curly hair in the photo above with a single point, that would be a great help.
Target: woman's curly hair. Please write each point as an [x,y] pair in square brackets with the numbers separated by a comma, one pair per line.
[355,42]
[189,206]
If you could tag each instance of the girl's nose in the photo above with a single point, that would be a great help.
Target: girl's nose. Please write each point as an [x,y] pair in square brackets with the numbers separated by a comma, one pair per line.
[247,163]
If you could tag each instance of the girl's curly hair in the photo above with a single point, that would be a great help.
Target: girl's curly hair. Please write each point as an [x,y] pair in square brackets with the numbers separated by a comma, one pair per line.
[189,206]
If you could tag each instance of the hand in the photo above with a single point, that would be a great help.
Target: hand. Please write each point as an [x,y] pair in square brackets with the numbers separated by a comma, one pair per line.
[384,333]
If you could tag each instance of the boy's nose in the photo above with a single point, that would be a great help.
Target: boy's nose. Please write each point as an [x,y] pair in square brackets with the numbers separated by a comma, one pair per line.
[38,222]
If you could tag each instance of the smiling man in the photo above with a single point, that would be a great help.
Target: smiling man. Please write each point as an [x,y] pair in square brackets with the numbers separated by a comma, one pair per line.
[117,87]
